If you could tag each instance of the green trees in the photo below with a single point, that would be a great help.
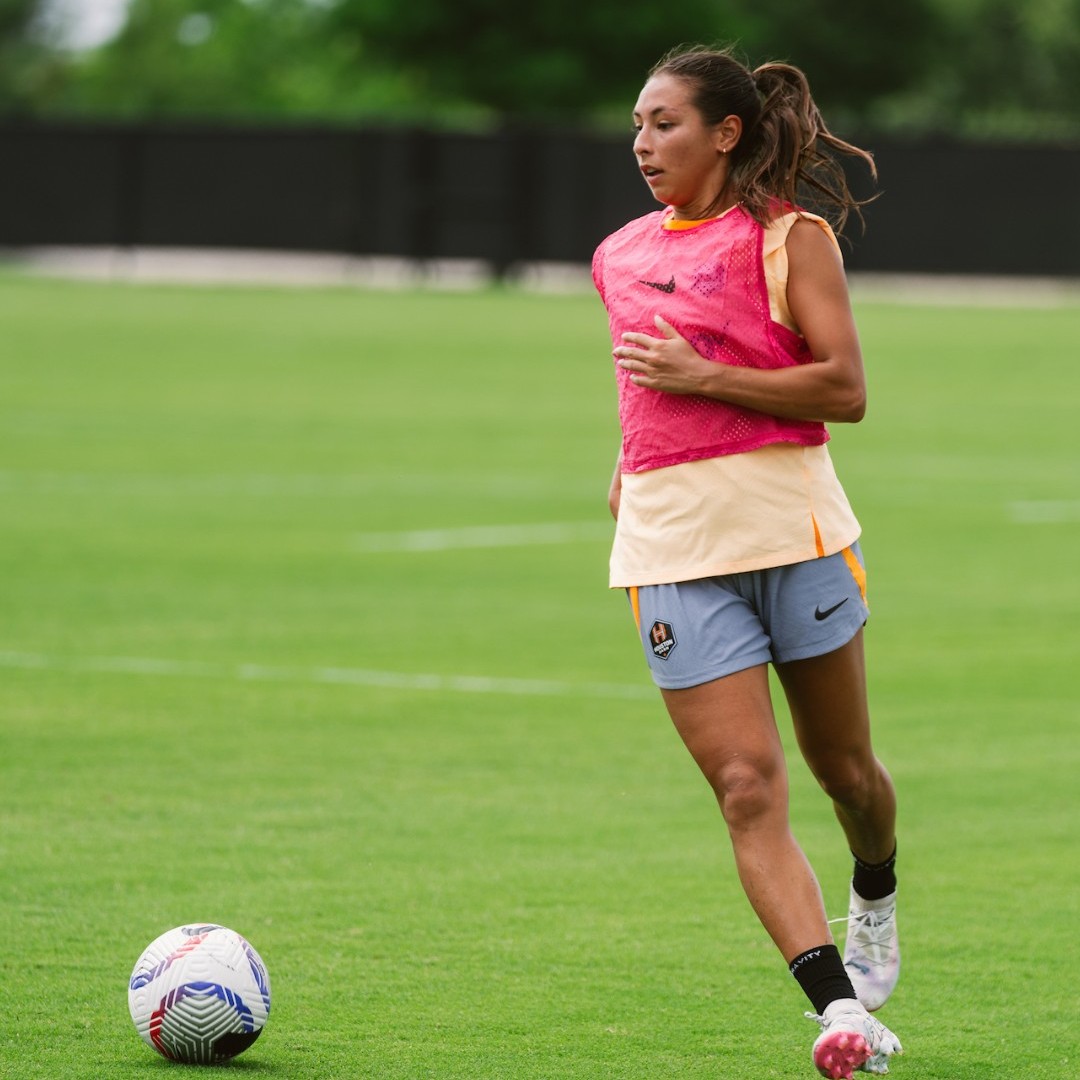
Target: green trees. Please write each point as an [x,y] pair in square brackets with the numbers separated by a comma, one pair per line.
[24,63]
[554,58]
[976,66]
[257,59]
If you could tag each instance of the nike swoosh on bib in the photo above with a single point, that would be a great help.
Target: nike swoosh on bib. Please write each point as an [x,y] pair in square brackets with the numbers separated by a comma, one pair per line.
[819,614]
[663,286]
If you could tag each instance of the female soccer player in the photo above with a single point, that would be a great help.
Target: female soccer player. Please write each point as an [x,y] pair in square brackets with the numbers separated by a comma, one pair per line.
[734,344]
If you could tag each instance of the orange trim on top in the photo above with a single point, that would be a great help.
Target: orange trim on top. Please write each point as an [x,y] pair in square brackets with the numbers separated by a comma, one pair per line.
[818,545]
[675,224]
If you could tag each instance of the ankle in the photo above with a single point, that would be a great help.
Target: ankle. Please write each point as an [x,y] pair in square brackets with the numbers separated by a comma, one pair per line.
[874,881]
[823,978]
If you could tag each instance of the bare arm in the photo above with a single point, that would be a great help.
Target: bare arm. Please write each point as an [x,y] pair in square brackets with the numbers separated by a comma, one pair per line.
[832,388]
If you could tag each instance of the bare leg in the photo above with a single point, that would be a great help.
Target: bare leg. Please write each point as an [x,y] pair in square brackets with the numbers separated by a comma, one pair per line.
[827,696]
[729,727]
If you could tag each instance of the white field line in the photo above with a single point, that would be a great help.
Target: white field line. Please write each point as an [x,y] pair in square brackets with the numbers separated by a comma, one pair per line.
[1045,512]
[481,536]
[278,485]
[386,680]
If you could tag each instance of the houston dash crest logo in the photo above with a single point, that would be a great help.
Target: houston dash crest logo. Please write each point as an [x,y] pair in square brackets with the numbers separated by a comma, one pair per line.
[662,639]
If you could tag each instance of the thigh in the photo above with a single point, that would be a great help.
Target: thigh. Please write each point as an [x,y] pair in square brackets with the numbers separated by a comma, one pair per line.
[827,698]
[729,727]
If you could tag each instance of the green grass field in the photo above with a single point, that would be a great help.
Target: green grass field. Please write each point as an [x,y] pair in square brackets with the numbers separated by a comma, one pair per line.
[305,629]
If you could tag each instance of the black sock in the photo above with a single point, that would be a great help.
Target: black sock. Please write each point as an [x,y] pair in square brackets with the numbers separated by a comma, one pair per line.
[875,881]
[822,975]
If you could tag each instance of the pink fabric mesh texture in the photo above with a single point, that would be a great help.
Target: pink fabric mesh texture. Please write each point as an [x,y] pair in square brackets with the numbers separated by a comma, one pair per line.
[709,283]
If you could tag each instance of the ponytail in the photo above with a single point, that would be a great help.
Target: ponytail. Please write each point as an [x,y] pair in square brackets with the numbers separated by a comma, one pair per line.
[791,153]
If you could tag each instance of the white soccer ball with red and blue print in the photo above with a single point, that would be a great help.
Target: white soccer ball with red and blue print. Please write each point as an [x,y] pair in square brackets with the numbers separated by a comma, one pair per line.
[199,994]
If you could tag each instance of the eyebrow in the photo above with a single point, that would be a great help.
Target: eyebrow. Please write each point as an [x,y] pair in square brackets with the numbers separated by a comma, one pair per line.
[658,109]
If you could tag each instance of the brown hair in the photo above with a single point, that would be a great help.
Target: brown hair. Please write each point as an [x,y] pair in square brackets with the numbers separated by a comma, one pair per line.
[786,150]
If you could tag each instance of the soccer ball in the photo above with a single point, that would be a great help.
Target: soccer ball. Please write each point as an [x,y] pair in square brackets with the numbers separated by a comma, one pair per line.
[199,994]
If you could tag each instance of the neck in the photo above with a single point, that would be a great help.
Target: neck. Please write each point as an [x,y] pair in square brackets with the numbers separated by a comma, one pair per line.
[699,210]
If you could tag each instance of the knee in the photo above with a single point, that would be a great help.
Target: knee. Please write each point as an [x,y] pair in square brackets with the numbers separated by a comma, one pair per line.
[747,793]
[849,782]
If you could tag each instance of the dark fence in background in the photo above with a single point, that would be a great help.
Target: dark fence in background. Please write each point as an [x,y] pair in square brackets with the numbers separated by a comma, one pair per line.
[512,197]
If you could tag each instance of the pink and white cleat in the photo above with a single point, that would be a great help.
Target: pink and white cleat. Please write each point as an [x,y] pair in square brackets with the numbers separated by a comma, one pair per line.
[871,950]
[851,1040]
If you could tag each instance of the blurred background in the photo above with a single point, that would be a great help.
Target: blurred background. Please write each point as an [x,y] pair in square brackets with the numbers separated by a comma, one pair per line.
[499,132]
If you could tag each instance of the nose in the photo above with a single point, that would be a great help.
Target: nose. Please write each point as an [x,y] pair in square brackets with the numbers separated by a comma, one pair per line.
[641,143]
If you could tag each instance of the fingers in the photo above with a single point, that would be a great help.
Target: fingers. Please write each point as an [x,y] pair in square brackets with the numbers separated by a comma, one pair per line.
[642,340]
[638,368]
[646,341]
[632,359]
[640,353]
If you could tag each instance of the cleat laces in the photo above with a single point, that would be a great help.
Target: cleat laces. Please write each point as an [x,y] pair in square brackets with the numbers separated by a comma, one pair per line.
[872,933]
[872,949]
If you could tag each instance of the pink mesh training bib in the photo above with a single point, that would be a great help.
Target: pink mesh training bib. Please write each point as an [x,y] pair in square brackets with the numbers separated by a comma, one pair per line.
[709,283]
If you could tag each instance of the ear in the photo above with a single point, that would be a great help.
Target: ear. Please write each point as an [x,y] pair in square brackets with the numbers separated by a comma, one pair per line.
[726,134]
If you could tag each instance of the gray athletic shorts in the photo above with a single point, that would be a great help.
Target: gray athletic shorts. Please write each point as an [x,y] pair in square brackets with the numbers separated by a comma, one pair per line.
[697,631]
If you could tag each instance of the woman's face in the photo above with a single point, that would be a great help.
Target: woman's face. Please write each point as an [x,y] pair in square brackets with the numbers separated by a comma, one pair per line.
[683,160]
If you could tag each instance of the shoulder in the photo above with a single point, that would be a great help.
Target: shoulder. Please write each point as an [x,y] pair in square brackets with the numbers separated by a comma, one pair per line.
[800,227]
[812,248]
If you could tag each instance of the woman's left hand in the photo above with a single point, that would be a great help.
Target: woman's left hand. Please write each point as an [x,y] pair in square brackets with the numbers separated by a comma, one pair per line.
[669,363]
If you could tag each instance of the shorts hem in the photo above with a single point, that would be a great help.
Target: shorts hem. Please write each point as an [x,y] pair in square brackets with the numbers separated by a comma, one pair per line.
[699,678]
[822,648]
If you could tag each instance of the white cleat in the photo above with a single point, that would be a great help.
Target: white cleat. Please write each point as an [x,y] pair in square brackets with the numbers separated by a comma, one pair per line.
[872,949]
[851,1040]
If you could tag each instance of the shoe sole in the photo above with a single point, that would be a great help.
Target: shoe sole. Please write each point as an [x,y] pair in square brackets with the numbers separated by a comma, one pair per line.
[838,1054]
